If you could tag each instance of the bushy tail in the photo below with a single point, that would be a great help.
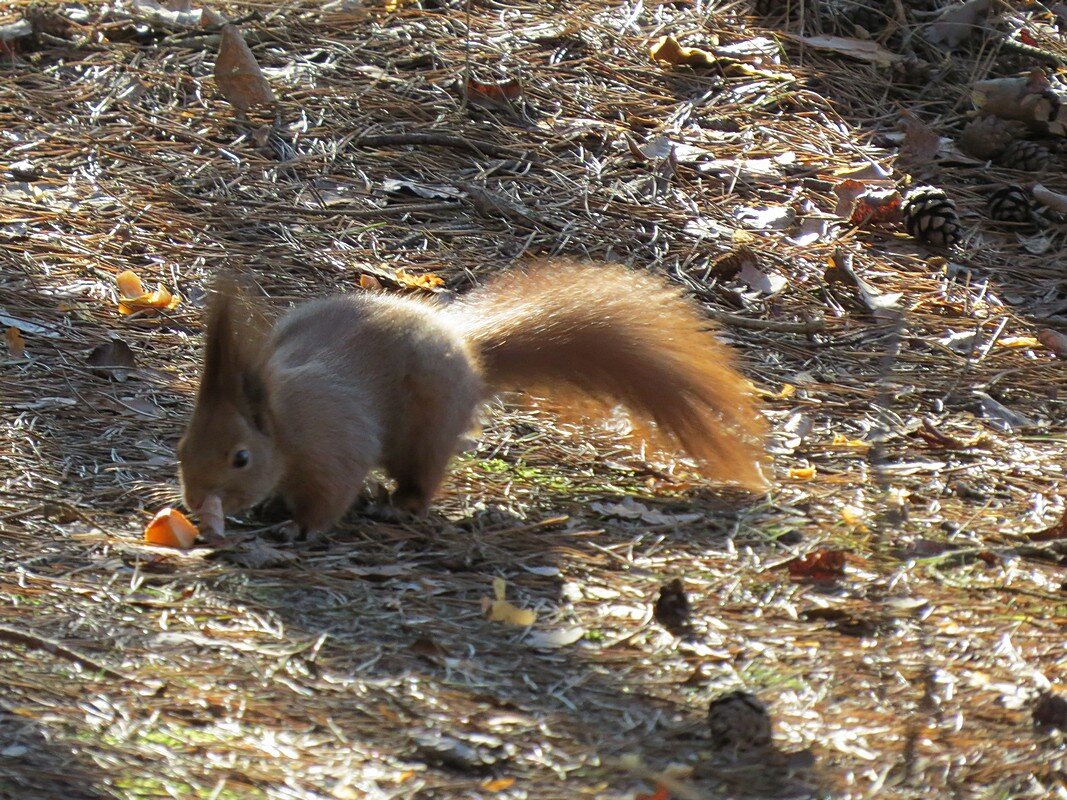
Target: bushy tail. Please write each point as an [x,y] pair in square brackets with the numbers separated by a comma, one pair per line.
[608,332]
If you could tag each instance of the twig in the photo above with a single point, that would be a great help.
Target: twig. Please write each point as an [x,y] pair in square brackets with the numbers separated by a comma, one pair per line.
[15,636]
[736,320]
[435,139]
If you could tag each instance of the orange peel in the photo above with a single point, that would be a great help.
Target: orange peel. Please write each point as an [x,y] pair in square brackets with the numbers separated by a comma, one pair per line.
[171,528]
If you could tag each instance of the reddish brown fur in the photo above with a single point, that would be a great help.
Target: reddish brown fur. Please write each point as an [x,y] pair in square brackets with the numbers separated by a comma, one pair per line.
[611,332]
[345,384]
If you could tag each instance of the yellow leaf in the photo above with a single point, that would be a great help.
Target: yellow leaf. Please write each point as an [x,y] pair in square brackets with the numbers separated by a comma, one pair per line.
[392,5]
[840,440]
[404,777]
[667,49]
[16,345]
[129,284]
[427,281]
[503,611]
[1018,341]
[499,587]
[499,785]
[852,515]
[802,473]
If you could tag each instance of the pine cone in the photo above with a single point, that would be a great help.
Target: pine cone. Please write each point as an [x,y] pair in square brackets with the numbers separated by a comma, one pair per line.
[1025,155]
[1010,204]
[930,216]
[987,137]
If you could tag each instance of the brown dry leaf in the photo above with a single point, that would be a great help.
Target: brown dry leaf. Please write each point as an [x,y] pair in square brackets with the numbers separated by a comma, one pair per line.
[921,142]
[238,75]
[427,282]
[878,207]
[370,283]
[506,93]
[1054,341]
[171,528]
[957,23]
[669,51]
[1057,531]
[16,345]
[822,565]
[113,360]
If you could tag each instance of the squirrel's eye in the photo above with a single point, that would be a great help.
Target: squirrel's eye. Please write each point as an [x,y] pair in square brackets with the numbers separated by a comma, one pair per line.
[241,459]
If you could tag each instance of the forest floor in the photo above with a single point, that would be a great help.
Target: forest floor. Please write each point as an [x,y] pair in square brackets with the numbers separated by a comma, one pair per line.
[898,600]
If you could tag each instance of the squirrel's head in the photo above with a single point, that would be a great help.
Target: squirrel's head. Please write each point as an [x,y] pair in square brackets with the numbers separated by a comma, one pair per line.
[228,449]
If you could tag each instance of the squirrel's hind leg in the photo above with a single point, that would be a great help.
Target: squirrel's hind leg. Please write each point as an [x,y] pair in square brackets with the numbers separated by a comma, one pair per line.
[440,413]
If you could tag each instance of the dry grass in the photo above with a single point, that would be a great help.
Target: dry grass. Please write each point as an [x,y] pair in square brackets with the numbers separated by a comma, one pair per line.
[321,678]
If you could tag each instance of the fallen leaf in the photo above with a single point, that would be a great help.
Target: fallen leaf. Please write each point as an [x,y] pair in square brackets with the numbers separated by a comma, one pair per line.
[667,49]
[821,565]
[802,473]
[16,345]
[766,217]
[171,528]
[504,93]
[957,23]
[113,360]
[257,554]
[426,282]
[498,785]
[237,74]
[370,283]
[1003,417]
[860,49]
[1052,533]
[554,639]
[921,142]
[500,610]
[1015,342]
[763,282]
[878,207]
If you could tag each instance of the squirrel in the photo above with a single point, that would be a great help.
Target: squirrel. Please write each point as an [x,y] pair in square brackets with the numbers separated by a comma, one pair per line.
[338,386]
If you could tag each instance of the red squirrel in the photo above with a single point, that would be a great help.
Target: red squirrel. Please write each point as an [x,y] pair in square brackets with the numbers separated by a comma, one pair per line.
[341,385]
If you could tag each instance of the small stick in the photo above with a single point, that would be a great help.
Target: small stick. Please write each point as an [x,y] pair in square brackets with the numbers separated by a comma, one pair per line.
[432,138]
[16,636]
[737,321]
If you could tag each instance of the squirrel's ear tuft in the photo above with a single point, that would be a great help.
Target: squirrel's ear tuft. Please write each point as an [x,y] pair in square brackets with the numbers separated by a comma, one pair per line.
[234,349]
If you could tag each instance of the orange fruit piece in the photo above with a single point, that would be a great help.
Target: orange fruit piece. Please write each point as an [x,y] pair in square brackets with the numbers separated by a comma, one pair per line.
[129,284]
[171,528]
